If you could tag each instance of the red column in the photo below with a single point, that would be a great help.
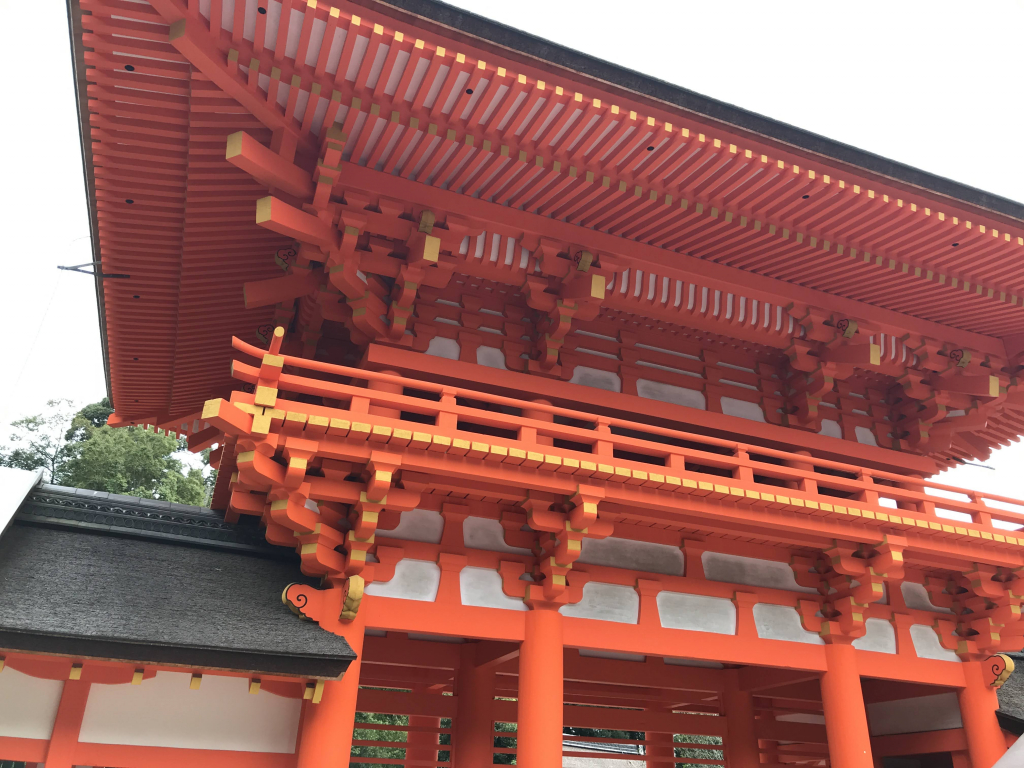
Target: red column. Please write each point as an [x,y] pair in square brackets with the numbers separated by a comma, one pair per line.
[326,739]
[539,736]
[978,705]
[67,725]
[421,751]
[846,721]
[741,749]
[660,749]
[473,741]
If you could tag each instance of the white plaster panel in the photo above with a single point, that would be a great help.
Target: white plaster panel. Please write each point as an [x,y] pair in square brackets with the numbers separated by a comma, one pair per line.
[916,596]
[668,393]
[417,525]
[638,555]
[595,377]
[675,662]
[697,612]
[865,435]
[619,655]
[413,580]
[830,428]
[927,645]
[742,408]
[922,713]
[492,357]
[879,637]
[439,346]
[751,571]
[607,602]
[28,705]
[802,717]
[482,587]
[601,762]
[781,622]
[485,533]
[164,712]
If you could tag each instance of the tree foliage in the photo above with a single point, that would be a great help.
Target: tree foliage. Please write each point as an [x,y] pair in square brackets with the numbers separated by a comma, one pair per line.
[78,449]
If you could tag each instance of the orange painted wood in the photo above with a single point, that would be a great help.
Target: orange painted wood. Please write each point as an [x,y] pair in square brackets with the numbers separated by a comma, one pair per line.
[326,734]
[978,705]
[23,750]
[167,757]
[474,721]
[952,740]
[849,743]
[539,713]
[630,407]
[68,723]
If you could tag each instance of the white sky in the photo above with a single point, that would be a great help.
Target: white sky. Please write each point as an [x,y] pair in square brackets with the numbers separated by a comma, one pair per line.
[931,84]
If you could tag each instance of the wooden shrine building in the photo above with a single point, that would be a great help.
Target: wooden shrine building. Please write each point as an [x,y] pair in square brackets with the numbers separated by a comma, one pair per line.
[549,395]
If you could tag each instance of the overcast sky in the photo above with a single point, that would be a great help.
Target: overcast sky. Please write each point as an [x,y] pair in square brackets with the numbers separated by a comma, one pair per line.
[931,84]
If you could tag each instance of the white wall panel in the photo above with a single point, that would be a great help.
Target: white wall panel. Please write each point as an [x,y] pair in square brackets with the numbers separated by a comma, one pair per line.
[927,645]
[608,602]
[482,587]
[751,571]
[595,377]
[417,525]
[28,705]
[413,580]
[485,533]
[637,555]
[697,612]
[164,712]
[440,346]
[669,393]
[780,622]
[922,713]
[879,637]
[916,596]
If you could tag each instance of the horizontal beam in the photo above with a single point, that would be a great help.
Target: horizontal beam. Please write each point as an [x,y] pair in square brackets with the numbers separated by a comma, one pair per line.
[264,293]
[267,166]
[666,263]
[929,742]
[756,679]
[277,216]
[514,384]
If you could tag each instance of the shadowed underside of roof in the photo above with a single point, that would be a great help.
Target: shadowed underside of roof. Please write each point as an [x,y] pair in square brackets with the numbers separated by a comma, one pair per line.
[460,106]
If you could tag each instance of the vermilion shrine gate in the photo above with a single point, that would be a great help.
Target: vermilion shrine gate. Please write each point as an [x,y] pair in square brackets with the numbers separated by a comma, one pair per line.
[583,400]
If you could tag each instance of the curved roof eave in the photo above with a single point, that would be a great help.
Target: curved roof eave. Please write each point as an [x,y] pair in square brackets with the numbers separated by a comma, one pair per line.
[551,53]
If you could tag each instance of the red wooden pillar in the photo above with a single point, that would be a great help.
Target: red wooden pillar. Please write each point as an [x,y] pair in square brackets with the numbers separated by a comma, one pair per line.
[67,725]
[741,748]
[539,737]
[978,705]
[326,737]
[846,721]
[422,746]
[473,741]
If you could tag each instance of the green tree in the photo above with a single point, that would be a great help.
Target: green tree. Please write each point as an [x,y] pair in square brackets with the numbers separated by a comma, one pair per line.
[41,441]
[134,461]
[79,449]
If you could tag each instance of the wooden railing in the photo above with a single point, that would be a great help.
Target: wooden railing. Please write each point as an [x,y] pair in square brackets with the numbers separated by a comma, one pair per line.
[645,448]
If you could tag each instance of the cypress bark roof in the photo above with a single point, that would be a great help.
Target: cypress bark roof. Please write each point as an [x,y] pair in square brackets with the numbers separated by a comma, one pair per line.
[98,575]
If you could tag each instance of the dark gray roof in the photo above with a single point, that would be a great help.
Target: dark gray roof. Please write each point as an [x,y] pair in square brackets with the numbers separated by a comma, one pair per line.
[103,576]
[1011,697]
[553,53]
